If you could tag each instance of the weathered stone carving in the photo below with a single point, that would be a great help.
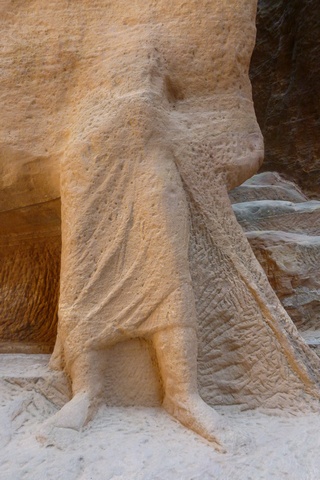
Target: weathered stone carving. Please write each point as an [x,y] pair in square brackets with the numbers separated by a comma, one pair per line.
[145,110]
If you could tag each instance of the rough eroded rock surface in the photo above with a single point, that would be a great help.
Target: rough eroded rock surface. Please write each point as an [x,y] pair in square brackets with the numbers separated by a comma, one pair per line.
[291,262]
[285,237]
[267,186]
[30,252]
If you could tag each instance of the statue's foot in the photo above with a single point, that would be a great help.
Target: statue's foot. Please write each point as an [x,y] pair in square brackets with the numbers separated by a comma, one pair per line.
[73,415]
[195,414]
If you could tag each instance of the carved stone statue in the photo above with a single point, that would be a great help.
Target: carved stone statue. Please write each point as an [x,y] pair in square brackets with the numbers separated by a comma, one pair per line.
[145,109]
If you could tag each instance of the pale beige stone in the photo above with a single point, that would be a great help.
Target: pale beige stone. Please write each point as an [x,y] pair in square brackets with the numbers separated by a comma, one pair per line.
[145,111]
[267,186]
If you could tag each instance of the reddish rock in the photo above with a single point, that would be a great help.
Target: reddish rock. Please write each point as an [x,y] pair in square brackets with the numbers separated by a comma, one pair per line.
[290,261]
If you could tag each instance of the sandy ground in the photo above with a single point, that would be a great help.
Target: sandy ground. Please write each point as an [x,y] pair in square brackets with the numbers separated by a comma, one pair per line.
[142,443]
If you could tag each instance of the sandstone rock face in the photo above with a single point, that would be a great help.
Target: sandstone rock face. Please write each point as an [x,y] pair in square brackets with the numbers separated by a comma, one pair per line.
[285,73]
[267,186]
[147,128]
[291,262]
[285,237]
[29,294]
[30,252]
[279,215]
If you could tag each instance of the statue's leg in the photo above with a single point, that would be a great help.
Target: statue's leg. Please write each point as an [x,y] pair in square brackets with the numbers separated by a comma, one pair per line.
[122,259]
[87,390]
[56,360]
[176,350]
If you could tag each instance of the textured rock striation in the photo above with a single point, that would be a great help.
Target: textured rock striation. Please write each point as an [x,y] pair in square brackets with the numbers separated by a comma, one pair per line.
[29,294]
[267,186]
[30,252]
[285,73]
[291,262]
[285,237]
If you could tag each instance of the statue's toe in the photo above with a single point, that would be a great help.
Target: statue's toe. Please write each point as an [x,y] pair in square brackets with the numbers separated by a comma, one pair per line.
[195,414]
[73,415]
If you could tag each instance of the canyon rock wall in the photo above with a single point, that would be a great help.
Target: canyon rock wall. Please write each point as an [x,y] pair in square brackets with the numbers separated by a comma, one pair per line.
[285,73]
